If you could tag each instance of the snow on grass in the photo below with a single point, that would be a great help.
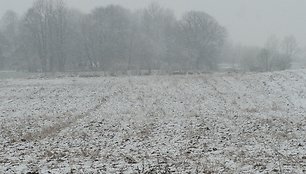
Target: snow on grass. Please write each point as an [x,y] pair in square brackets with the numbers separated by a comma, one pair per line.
[220,123]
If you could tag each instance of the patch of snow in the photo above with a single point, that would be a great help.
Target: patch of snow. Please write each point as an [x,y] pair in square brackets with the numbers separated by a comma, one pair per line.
[229,123]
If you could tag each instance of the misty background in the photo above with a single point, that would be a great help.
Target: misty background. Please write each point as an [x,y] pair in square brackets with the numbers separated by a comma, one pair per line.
[258,36]
[248,22]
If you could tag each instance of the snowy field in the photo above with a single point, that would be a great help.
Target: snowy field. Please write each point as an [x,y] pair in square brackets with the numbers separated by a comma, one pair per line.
[220,123]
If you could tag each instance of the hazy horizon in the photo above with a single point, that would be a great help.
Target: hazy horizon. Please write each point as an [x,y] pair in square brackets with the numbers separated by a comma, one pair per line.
[248,22]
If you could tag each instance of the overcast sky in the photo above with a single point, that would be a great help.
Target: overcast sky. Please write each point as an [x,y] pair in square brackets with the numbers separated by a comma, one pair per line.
[248,21]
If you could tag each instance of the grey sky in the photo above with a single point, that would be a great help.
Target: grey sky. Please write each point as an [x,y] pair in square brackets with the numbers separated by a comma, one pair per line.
[248,21]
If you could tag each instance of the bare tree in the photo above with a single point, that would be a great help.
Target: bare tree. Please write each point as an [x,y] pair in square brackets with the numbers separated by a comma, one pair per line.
[3,46]
[9,27]
[157,22]
[60,30]
[46,21]
[278,55]
[203,38]
[270,55]
[106,31]
[290,47]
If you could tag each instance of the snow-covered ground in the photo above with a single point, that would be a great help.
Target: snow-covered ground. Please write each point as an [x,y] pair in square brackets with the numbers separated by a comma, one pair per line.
[213,123]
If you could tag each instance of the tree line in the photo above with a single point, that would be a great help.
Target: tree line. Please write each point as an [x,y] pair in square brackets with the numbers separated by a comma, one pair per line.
[51,37]
[276,55]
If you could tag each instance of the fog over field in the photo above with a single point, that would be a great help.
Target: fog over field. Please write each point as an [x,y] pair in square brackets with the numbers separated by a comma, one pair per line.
[152,87]
[249,22]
